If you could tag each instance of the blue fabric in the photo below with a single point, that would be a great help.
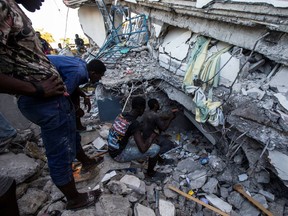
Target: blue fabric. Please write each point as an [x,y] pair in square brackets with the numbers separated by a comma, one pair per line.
[6,129]
[72,70]
[131,152]
[56,117]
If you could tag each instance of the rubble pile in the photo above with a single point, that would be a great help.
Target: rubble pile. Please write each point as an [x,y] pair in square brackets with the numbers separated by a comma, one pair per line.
[204,171]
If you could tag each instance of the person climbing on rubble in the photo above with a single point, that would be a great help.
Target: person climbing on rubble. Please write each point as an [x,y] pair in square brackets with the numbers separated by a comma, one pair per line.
[74,72]
[121,146]
[153,122]
[42,97]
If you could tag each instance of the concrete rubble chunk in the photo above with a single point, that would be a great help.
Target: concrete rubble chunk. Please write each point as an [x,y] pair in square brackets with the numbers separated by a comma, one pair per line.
[99,143]
[229,72]
[169,193]
[141,210]
[248,209]
[166,208]
[279,161]
[219,203]
[235,199]
[280,80]
[18,166]
[175,44]
[211,186]
[269,196]
[224,192]
[261,199]
[189,165]
[216,163]
[117,187]
[112,205]
[197,178]
[31,201]
[283,100]
[255,93]
[242,177]
[83,212]
[108,176]
[131,181]
[262,176]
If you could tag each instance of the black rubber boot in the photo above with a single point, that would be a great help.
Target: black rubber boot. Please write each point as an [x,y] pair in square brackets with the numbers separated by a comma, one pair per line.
[76,200]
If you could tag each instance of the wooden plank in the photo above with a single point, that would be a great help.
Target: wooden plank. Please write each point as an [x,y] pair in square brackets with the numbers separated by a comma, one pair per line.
[198,201]
[239,188]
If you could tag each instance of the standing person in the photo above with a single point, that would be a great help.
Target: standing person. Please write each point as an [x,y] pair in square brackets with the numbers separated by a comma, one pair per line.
[123,149]
[45,45]
[27,72]
[74,72]
[59,48]
[79,44]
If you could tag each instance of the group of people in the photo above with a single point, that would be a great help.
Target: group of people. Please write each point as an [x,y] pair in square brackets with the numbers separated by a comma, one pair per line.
[48,94]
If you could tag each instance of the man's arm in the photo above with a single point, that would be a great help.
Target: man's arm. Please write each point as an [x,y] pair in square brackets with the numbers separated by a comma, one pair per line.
[143,146]
[87,101]
[50,87]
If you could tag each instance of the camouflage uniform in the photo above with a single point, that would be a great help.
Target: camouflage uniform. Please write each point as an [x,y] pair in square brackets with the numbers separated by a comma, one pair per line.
[21,55]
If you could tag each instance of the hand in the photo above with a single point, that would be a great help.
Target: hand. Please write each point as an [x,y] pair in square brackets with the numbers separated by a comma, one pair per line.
[52,86]
[87,103]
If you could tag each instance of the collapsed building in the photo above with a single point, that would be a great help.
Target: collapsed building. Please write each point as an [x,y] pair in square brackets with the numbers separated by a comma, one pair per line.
[224,63]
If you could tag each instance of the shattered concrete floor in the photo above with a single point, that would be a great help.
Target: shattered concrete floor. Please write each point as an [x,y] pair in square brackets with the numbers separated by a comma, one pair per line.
[200,168]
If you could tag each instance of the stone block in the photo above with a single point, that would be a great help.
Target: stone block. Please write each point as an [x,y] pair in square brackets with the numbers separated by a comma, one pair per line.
[112,205]
[141,210]
[269,196]
[211,186]
[18,166]
[166,208]
[31,201]
[219,203]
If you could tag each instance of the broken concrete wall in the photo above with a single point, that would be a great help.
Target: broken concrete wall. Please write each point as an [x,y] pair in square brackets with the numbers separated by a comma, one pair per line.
[218,21]
[92,23]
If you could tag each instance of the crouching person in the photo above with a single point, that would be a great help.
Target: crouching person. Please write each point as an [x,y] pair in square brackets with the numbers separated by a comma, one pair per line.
[123,148]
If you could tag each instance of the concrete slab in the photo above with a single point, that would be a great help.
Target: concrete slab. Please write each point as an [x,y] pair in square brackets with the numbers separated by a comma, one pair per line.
[175,43]
[88,16]
[230,70]
[157,29]
[219,203]
[279,161]
[280,80]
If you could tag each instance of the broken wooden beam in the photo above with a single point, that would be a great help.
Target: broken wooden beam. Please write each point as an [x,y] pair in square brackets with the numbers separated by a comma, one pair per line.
[198,201]
[239,188]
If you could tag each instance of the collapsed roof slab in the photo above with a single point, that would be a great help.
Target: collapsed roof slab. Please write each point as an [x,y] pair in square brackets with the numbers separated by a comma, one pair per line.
[237,34]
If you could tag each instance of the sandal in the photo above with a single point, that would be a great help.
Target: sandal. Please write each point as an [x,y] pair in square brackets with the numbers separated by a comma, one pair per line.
[92,164]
